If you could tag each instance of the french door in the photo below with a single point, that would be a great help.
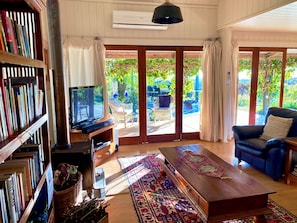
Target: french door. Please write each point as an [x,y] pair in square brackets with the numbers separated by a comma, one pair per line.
[162,85]
[260,83]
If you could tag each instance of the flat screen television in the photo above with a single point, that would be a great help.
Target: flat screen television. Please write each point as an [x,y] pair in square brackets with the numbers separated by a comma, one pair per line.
[86,105]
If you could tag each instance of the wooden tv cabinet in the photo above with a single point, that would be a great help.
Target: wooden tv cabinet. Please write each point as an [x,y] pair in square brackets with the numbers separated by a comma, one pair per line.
[101,150]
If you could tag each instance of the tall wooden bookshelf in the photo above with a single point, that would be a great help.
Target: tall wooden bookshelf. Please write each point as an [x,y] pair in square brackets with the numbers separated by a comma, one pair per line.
[27,70]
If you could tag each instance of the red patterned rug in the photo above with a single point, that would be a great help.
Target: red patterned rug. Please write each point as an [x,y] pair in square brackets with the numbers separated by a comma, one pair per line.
[156,198]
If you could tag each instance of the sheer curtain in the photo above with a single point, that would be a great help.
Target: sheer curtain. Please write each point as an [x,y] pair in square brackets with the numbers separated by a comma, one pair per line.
[85,64]
[212,109]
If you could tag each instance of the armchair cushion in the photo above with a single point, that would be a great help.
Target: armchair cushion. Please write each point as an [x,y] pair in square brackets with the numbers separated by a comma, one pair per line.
[255,146]
[276,127]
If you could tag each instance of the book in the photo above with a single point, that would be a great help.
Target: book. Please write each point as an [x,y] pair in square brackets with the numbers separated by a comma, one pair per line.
[27,46]
[9,193]
[24,101]
[9,33]
[2,36]
[3,202]
[12,101]
[3,116]
[19,37]
[7,106]
[20,105]
[30,99]
[2,46]
[1,132]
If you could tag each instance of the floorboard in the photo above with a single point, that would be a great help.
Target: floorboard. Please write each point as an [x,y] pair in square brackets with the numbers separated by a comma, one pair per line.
[121,208]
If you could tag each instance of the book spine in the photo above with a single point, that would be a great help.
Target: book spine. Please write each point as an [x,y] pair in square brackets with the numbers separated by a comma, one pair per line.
[10,198]
[3,116]
[2,35]
[7,107]
[4,203]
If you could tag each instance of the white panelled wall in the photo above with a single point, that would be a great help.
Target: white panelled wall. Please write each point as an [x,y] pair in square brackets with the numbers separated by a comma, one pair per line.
[202,20]
[80,18]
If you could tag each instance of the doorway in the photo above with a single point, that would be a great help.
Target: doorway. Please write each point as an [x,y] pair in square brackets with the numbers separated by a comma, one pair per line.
[161,87]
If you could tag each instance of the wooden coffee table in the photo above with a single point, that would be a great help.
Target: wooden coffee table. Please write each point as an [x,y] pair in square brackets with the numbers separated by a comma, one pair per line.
[234,196]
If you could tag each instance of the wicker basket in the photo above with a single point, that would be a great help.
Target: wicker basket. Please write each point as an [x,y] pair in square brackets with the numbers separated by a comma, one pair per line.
[68,197]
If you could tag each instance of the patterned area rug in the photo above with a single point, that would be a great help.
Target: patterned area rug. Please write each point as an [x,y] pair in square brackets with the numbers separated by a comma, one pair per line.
[156,198]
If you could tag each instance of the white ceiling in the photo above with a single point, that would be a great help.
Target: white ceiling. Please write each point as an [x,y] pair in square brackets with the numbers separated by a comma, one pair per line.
[283,19]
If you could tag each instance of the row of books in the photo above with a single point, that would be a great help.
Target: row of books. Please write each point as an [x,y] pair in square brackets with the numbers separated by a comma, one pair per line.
[14,36]
[19,105]
[19,176]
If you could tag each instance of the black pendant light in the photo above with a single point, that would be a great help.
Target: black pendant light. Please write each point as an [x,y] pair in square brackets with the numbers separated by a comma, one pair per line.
[167,13]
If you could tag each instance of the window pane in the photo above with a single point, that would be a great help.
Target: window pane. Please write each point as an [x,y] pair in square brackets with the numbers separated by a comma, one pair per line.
[192,88]
[122,82]
[269,82]
[290,84]
[160,82]
[244,87]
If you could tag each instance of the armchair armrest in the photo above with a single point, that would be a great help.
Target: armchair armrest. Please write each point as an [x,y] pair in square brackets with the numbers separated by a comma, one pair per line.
[275,143]
[247,131]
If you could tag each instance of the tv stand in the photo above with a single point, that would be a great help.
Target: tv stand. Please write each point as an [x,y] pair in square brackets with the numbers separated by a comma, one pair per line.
[102,137]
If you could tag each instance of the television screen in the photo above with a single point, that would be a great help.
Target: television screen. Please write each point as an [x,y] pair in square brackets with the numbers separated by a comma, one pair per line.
[86,105]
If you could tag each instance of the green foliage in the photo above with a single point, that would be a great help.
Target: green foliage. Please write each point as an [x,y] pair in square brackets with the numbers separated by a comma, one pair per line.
[160,72]
[269,82]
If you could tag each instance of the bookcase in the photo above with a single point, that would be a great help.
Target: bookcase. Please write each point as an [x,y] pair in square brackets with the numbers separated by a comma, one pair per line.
[26,179]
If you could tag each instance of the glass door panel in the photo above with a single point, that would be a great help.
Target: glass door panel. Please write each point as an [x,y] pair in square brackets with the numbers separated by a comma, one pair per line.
[244,87]
[192,88]
[269,83]
[122,82]
[160,96]
[290,83]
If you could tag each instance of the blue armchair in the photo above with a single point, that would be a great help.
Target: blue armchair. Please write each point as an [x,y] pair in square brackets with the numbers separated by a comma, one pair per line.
[265,154]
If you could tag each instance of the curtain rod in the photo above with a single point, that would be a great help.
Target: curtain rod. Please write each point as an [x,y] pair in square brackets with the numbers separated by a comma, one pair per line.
[212,39]
[82,37]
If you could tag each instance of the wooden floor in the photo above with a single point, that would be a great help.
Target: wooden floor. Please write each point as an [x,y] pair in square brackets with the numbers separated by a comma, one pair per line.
[121,208]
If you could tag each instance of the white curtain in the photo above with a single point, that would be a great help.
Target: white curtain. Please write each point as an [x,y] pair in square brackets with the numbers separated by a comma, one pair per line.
[85,64]
[212,109]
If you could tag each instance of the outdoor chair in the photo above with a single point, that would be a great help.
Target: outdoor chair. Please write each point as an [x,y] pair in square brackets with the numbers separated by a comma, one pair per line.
[121,112]
[163,108]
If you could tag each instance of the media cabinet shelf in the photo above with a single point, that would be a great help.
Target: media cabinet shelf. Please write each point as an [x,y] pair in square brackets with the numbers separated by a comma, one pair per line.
[291,147]
[105,134]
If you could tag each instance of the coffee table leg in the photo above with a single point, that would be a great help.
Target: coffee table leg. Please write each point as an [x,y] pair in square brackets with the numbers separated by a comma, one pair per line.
[260,219]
